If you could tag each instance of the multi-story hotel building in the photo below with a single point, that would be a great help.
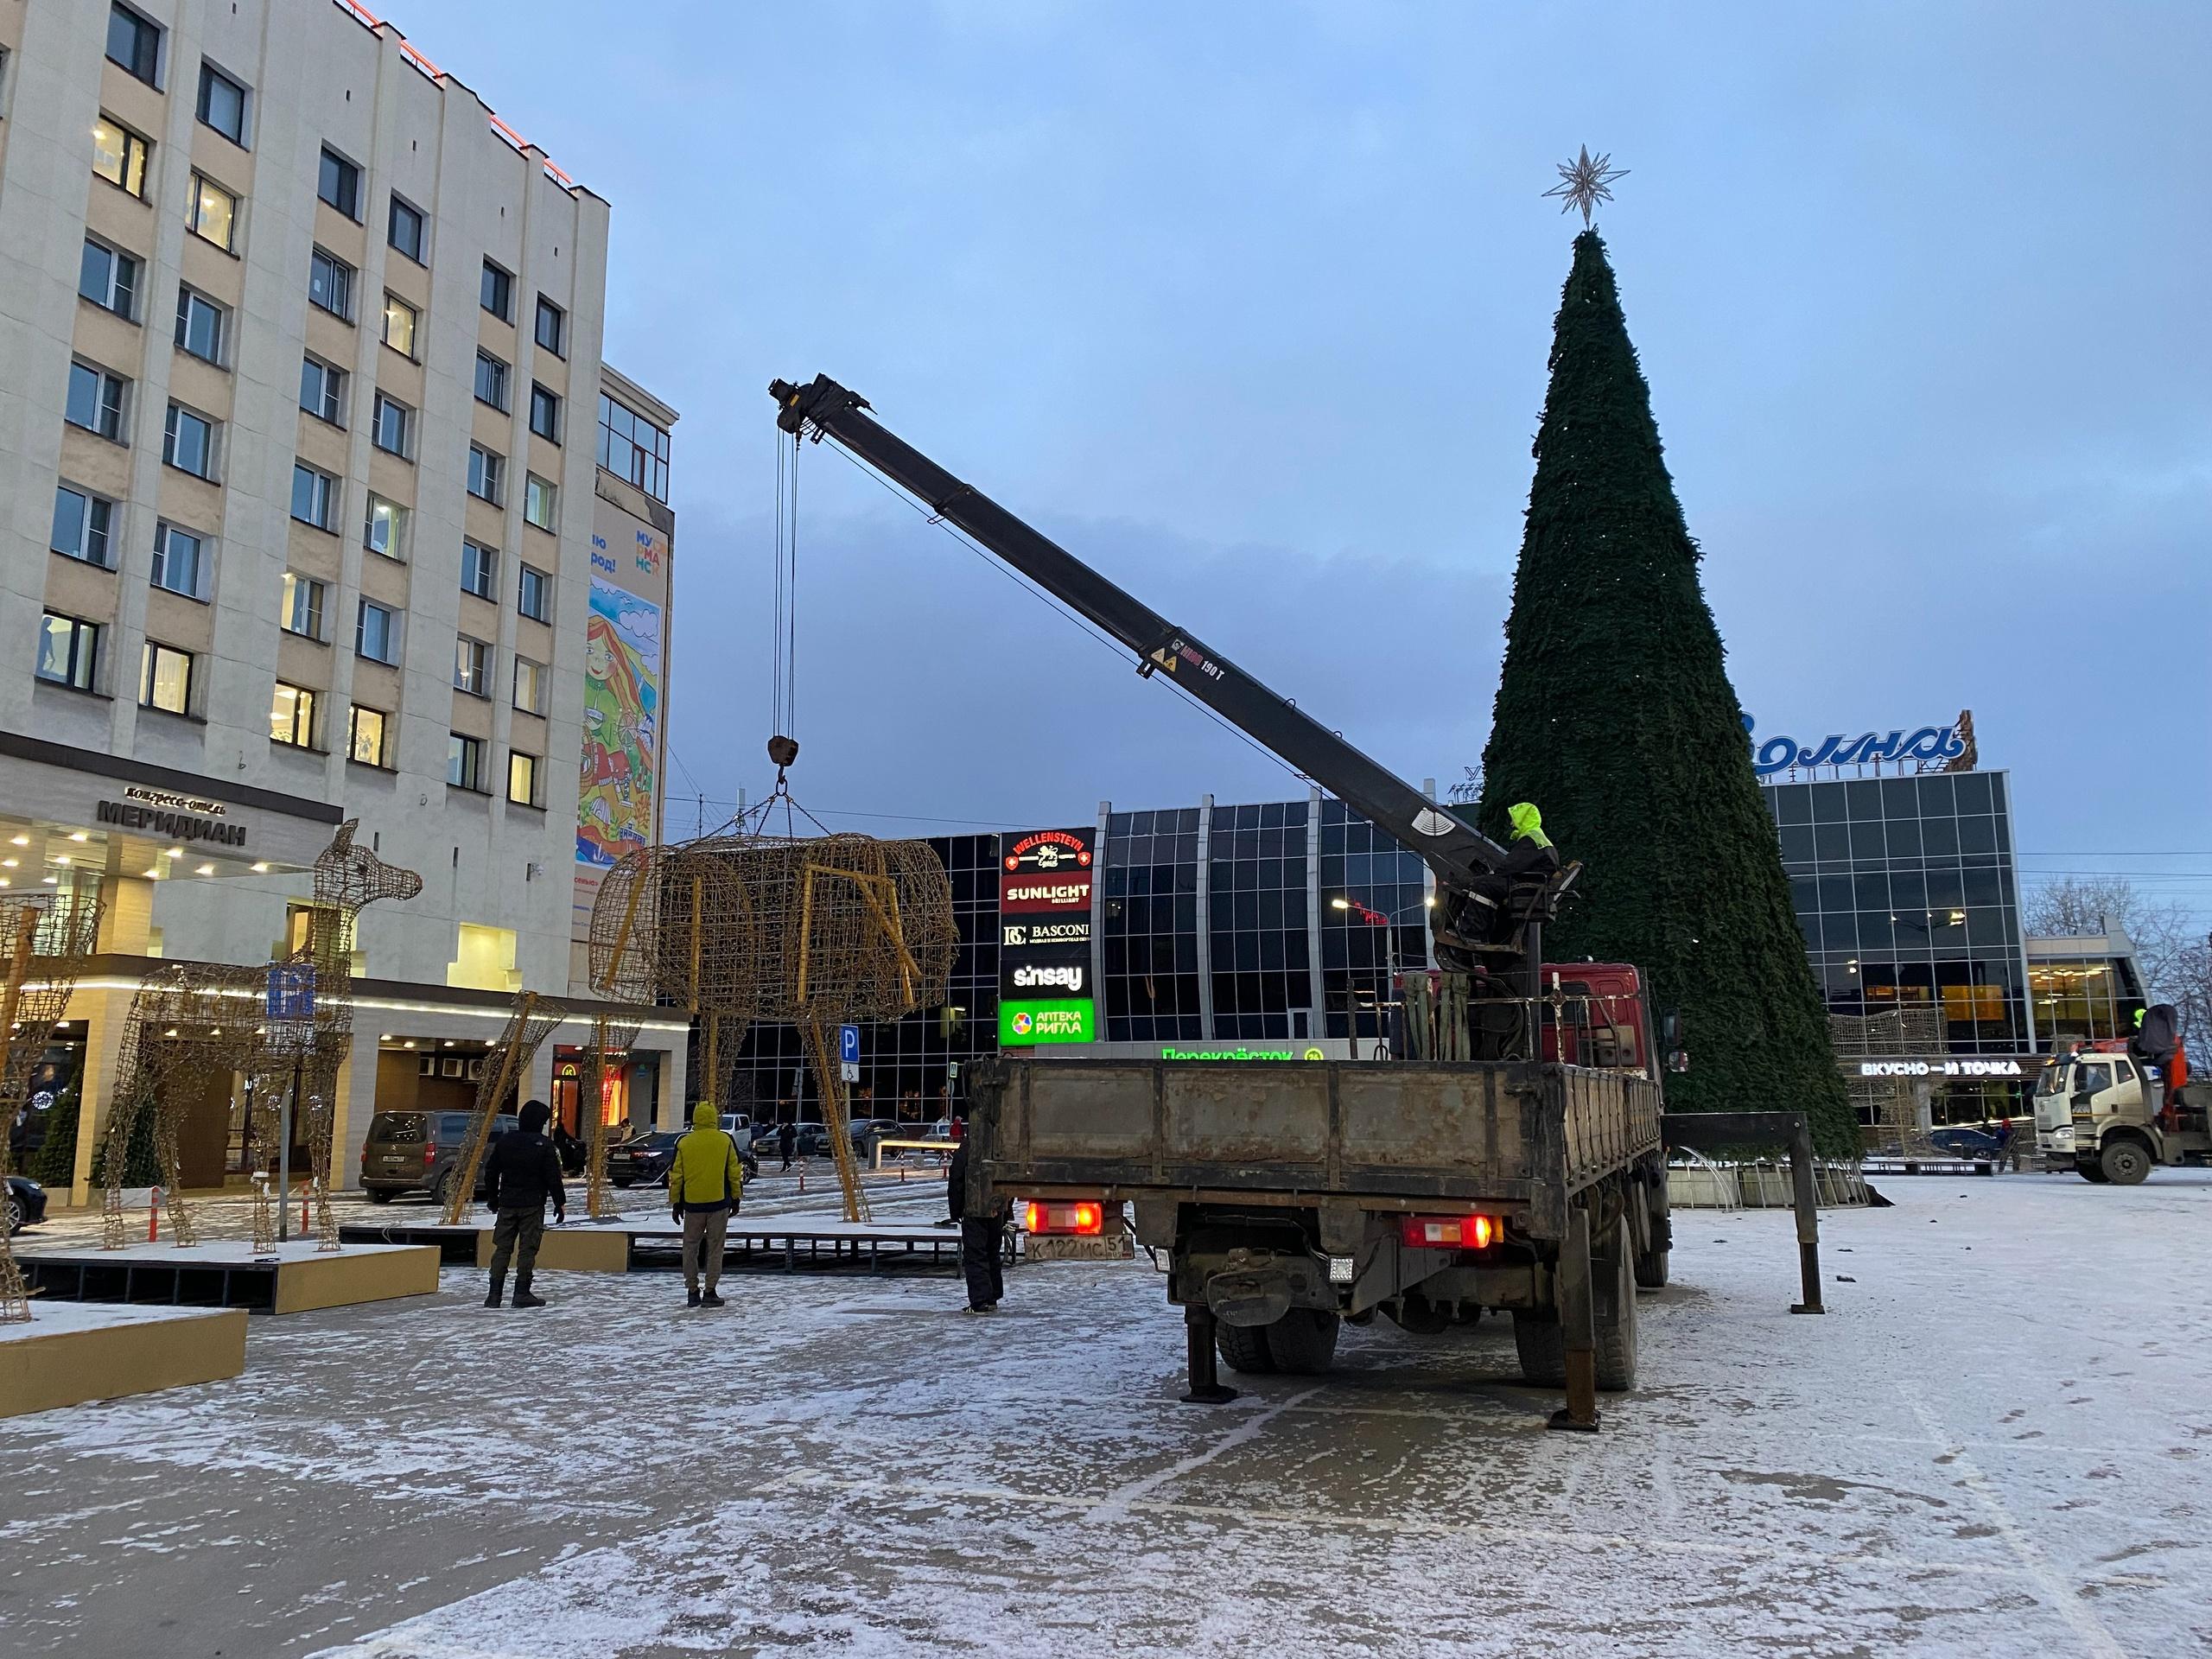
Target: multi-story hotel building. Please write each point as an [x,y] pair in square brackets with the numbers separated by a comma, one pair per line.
[303,426]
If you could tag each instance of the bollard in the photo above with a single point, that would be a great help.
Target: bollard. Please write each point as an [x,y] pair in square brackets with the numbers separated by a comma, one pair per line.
[303,1209]
[153,1214]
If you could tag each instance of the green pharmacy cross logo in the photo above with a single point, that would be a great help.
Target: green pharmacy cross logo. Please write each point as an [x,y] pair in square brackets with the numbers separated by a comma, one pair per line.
[1586,182]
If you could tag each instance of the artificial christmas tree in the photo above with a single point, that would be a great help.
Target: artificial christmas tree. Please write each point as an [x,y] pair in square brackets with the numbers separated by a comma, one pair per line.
[1616,717]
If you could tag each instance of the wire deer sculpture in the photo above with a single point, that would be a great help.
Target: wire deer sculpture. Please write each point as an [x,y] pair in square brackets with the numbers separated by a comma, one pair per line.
[286,1025]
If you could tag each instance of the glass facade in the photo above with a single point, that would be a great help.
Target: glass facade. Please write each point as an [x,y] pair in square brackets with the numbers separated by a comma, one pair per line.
[1275,900]
[1907,894]
[2089,997]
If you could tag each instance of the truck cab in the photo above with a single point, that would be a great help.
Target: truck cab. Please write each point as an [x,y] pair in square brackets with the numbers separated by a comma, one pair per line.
[2108,1116]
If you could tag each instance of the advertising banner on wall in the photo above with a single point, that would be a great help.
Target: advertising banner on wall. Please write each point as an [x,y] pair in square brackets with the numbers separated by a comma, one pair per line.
[622,657]
[1044,990]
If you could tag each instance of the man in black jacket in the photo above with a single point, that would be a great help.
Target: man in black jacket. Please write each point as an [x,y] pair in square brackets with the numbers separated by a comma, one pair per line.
[521,1172]
[979,1232]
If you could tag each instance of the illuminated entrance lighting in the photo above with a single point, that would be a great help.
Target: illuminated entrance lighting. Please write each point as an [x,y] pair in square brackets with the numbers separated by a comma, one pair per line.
[19,840]
[155,872]
[53,881]
[205,869]
[261,868]
[78,834]
[172,852]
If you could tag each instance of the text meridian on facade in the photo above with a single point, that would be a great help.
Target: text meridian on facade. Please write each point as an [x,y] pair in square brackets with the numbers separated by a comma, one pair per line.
[172,826]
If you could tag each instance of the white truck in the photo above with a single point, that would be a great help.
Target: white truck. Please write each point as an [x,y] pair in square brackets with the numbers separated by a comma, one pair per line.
[2114,1110]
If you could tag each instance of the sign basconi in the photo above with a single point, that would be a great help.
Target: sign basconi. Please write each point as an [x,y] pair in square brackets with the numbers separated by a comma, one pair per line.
[1938,1069]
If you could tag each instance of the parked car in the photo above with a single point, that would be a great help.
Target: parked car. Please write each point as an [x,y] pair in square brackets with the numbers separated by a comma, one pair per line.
[761,1133]
[420,1152]
[1969,1140]
[26,1203]
[645,1158]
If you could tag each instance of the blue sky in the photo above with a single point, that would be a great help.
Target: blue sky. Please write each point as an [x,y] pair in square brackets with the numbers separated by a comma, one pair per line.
[1249,304]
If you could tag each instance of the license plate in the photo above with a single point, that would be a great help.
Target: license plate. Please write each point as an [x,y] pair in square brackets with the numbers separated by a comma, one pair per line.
[1052,1247]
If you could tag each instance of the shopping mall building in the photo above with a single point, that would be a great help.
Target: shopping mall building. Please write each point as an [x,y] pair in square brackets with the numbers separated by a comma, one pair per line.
[321,507]
[1279,929]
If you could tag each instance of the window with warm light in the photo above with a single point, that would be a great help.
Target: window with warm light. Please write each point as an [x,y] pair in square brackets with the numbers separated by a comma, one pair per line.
[368,736]
[166,683]
[210,213]
[483,959]
[68,650]
[522,779]
[399,322]
[386,532]
[291,716]
[119,156]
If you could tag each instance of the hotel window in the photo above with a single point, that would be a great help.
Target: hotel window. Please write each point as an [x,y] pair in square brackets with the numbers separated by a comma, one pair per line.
[68,650]
[530,686]
[486,475]
[81,525]
[119,156]
[394,423]
[291,716]
[404,231]
[330,284]
[134,44]
[522,777]
[545,413]
[534,595]
[199,325]
[376,636]
[479,570]
[632,447]
[188,442]
[314,497]
[167,682]
[222,103]
[109,279]
[299,608]
[368,736]
[491,381]
[464,762]
[538,502]
[552,326]
[498,292]
[385,531]
[322,390]
[95,401]
[399,320]
[180,562]
[210,213]
[472,666]
[338,183]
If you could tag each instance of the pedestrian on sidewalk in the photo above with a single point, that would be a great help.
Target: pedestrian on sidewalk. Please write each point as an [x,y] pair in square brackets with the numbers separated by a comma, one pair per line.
[520,1173]
[706,1182]
[979,1232]
[787,1141]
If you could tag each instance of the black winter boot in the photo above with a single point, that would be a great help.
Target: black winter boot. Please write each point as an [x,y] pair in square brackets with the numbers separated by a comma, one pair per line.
[498,1288]
[523,1298]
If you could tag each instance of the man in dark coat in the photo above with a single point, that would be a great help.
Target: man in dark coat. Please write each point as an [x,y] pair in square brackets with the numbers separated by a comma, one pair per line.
[787,1141]
[520,1173]
[979,1232]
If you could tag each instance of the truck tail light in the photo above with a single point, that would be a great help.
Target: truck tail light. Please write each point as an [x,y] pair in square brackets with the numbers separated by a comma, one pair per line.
[429,1156]
[1447,1232]
[1080,1219]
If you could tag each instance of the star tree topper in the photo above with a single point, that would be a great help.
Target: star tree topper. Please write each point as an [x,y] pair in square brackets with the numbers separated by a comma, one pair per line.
[1586,182]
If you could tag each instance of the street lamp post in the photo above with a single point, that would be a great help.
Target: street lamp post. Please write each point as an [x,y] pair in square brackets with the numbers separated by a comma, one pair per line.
[1390,925]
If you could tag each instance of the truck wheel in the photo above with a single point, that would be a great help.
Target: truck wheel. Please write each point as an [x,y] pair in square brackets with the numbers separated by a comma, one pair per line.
[1651,1269]
[1543,1347]
[2091,1172]
[1303,1341]
[1613,1316]
[1243,1348]
[2125,1163]
[379,1194]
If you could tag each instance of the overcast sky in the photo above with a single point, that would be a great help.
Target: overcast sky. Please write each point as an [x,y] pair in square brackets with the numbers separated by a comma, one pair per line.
[1249,305]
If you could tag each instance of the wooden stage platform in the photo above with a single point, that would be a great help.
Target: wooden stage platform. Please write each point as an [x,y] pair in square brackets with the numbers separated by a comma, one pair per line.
[769,1244]
[71,1352]
[294,1277]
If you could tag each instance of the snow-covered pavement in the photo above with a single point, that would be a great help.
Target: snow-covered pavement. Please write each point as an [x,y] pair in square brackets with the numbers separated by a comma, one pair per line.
[1998,1442]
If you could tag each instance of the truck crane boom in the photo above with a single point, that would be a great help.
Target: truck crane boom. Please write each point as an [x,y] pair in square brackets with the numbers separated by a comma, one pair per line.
[1489,900]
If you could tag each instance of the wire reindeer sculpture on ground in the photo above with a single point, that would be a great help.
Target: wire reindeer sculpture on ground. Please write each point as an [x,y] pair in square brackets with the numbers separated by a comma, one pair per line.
[288,1023]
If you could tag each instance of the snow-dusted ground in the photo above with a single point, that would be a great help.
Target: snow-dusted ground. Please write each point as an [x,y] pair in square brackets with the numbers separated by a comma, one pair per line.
[1998,1442]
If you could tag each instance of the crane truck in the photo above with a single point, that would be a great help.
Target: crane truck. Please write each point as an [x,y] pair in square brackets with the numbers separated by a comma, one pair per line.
[2115,1109]
[1515,1166]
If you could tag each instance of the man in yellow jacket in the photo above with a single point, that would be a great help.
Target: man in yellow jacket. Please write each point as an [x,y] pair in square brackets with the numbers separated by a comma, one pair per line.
[705,1185]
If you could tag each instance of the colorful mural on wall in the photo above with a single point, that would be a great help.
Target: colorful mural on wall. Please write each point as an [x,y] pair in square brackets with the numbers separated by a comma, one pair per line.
[622,659]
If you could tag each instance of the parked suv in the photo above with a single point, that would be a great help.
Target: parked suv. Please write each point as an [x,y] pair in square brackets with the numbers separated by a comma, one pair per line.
[419,1152]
